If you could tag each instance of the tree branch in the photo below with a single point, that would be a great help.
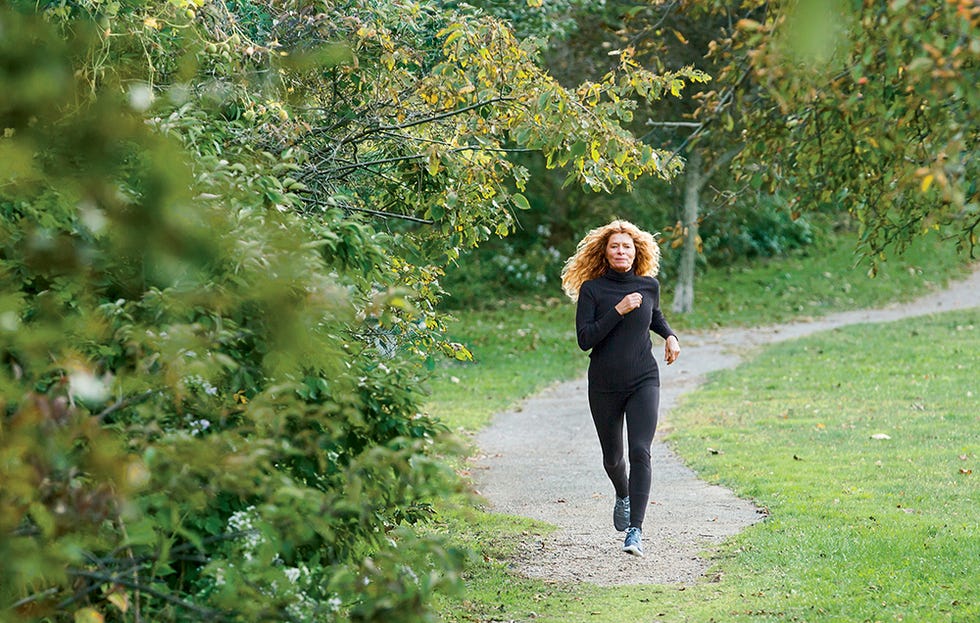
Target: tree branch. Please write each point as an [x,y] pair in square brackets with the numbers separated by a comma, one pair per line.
[673,124]
[32,598]
[125,402]
[436,117]
[347,206]
[102,578]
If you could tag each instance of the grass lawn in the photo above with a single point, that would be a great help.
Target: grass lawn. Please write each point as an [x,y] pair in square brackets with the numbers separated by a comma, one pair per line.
[861,528]
[522,347]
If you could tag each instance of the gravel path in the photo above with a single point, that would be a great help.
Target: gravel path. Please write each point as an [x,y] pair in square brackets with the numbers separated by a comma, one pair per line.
[542,461]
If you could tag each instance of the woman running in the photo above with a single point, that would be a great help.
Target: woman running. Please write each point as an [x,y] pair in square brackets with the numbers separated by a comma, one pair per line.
[611,276]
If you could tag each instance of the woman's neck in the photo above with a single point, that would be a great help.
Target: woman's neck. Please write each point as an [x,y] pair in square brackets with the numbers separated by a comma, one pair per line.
[616,275]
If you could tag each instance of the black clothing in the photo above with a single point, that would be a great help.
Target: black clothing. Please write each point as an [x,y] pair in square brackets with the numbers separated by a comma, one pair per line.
[622,353]
[640,410]
[624,380]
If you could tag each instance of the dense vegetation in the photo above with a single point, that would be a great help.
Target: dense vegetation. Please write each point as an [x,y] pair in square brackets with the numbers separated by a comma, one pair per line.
[221,231]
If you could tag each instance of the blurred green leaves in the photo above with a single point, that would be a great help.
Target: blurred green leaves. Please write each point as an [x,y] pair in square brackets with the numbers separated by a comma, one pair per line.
[161,309]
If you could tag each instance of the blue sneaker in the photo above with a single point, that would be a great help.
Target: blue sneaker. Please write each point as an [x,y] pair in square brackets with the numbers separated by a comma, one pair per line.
[632,543]
[621,514]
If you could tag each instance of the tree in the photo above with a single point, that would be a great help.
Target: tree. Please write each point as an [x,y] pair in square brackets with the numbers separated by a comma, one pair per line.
[833,105]
[866,106]
[222,227]
[878,114]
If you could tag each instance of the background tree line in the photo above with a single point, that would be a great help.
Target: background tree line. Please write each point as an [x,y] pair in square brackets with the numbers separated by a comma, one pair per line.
[846,115]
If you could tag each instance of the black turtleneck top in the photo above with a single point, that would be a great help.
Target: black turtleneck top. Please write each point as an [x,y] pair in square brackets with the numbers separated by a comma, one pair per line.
[622,353]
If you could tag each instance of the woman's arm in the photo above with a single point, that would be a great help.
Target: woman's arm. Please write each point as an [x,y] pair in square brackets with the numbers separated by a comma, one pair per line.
[660,326]
[589,328]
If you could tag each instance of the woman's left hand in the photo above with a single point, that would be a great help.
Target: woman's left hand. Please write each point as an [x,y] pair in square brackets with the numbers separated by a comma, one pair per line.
[672,349]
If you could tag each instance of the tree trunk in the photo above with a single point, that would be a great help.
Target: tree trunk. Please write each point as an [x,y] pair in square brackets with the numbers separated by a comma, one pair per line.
[684,294]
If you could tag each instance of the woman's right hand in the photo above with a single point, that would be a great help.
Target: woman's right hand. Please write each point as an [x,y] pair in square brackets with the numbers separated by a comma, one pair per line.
[629,303]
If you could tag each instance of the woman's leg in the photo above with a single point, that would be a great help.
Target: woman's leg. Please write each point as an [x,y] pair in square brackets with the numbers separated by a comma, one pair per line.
[607,414]
[641,423]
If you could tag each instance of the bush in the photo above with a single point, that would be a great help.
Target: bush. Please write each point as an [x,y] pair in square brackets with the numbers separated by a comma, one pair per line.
[191,425]
[500,269]
[764,228]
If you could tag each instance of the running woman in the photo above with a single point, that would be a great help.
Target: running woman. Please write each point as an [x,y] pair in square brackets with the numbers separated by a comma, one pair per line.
[612,277]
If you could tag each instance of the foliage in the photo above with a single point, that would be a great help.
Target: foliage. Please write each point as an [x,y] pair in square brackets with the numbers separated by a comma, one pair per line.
[191,429]
[766,229]
[425,139]
[222,229]
[548,22]
[869,106]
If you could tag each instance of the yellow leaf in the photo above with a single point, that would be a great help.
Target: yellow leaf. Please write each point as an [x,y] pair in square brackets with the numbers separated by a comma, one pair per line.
[152,22]
[748,24]
[433,166]
[927,182]
[88,615]
[120,601]
[680,37]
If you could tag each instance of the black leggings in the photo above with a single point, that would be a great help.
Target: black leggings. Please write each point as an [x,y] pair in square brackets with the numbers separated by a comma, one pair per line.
[640,410]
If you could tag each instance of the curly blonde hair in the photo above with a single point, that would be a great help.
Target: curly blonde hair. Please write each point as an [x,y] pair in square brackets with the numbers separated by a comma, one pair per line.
[590,261]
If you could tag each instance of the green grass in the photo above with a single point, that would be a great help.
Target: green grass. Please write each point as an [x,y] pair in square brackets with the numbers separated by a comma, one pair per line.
[860,529]
[827,278]
[521,347]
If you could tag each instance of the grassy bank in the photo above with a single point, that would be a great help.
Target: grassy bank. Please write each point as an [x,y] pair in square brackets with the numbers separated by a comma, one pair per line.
[866,463]
[861,528]
[522,346]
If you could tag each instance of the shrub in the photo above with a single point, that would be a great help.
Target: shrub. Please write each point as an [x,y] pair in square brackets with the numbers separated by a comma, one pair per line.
[191,425]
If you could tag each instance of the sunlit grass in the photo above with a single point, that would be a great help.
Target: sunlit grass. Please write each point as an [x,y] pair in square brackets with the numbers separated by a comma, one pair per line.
[861,527]
[525,345]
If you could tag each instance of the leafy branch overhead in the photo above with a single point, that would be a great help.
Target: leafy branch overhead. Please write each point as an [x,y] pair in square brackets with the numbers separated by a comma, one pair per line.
[417,118]
[867,109]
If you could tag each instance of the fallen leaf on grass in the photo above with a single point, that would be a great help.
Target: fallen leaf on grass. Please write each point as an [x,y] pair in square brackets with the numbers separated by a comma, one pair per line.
[966,472]
[880,436]
[714,451]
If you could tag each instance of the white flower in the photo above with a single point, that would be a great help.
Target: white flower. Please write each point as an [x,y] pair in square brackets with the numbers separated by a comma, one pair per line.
[199,426]
[140,96]
[86,386]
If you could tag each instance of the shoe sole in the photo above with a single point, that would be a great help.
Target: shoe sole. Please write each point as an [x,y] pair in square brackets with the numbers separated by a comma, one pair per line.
[635,551]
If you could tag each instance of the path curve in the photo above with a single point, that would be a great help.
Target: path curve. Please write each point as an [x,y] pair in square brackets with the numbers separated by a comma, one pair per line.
[542,461]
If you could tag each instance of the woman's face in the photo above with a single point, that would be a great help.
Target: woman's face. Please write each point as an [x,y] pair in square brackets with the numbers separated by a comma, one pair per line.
[620,252]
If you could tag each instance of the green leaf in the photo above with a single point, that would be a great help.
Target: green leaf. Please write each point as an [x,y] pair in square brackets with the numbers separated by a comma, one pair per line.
[520,201]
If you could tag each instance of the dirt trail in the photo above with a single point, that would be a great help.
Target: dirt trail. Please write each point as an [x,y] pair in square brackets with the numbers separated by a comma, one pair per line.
[542,461]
